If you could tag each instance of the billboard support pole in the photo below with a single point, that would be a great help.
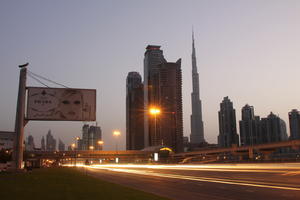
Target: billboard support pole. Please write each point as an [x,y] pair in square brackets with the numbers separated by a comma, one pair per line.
[20,119]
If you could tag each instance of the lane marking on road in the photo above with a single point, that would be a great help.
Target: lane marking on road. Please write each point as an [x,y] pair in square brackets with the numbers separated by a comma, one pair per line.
[292,173]
[203,179]
[245,168]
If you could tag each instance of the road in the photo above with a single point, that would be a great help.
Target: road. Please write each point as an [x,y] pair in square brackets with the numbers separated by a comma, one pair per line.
[213,182]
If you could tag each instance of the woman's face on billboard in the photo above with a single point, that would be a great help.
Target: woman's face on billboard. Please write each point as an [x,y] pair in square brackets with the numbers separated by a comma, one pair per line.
[71,105]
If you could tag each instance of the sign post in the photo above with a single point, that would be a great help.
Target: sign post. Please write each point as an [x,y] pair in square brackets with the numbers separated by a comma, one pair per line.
[49,104]
[20,120]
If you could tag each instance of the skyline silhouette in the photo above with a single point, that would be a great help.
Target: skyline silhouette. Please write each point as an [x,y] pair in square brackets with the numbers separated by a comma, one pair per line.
[245,50]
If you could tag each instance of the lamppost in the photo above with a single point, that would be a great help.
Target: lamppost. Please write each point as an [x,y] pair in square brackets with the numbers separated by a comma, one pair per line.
[77,140]
[116,134]
[74,149]
[154,111]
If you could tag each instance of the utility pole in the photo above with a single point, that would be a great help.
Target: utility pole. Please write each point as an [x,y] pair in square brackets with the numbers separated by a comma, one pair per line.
[20,119]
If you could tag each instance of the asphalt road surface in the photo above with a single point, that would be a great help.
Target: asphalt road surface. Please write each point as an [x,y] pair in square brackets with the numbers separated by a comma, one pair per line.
[218,181]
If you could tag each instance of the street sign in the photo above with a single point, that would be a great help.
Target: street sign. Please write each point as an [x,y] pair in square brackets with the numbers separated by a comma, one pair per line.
[61,104]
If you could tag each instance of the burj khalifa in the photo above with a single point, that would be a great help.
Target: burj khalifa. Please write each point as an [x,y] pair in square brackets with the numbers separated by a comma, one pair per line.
[197,130]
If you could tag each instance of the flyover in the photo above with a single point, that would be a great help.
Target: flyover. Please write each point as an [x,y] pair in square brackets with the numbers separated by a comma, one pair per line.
[124,156]
[265,149]
[134,156]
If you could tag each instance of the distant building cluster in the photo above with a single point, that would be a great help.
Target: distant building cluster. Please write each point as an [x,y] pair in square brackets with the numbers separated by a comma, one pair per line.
[91,138]
[253,129]
[48,144]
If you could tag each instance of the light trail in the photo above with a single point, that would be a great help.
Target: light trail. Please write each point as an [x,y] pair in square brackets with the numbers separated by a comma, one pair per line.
[203,179]
[138,169]
[252,168]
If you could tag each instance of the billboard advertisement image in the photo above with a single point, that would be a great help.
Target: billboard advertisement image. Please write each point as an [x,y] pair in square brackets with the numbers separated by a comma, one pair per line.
[61,104]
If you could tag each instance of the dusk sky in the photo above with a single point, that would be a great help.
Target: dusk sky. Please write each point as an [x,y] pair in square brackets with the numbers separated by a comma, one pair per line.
[248,50]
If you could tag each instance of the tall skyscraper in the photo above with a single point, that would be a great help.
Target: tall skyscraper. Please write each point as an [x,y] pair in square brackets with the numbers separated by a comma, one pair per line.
[50,142]
[134,112]
[85,137]
[162,89]
[294,119]
[249,126]
[30,143]
[95,135]
[273,129]
[170,122]
[264,131]
[91,135]
[186,143]
[227,125]
[43,144]
[197,130]
[61,146]
[80,144]
[153,57]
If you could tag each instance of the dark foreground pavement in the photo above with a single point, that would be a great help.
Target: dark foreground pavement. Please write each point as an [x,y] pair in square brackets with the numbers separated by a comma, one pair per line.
[240,182]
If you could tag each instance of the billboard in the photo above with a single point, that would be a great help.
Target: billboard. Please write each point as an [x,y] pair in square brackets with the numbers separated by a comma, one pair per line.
[61,104]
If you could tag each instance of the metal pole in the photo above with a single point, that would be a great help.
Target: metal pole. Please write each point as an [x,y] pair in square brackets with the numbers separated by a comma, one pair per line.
[20,120]
[116,148]
[175,129]
[117,144]
[155,130]
[75,157]
[76,152]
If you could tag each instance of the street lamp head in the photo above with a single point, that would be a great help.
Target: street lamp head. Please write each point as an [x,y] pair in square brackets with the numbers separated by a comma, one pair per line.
[73,145]
[154,111]
[77,138]
[100,142]
[91,147]
[116,133]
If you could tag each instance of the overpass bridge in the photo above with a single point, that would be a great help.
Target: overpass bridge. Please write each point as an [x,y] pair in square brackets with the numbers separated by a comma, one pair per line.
[265,149]
[133,156]
[37,157]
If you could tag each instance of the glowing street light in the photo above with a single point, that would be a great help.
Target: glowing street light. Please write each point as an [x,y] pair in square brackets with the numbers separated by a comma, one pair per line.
[100,143]
[116,133]
[154,111]
[91,147]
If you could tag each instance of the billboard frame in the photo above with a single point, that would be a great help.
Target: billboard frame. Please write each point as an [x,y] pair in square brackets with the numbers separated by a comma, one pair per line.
[27,104]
